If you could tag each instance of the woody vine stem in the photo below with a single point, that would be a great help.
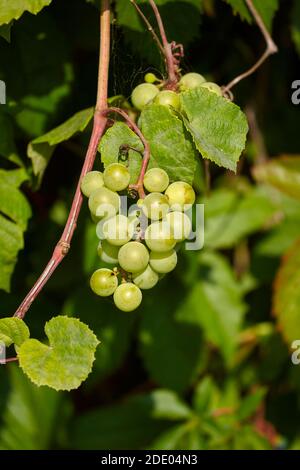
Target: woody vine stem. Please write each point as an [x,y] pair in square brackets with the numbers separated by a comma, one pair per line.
[99,125]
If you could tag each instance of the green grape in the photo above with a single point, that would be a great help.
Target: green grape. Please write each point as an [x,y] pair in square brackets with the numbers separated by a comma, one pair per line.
[156,180]
[168,98]
[156,206]
[90,182]
[180,194]
[108,253]
[180,224]
[163,262]
[103,202]
[146,279]
[151,78]
[143,94]
[133,257]
[104,282]
[127,297]
[191,80]
[118,230]
[116,177]
[213,87]
[158,237]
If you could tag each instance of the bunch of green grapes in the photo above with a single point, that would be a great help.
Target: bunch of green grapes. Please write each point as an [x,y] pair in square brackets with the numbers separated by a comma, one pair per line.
[148,92]
[137,255]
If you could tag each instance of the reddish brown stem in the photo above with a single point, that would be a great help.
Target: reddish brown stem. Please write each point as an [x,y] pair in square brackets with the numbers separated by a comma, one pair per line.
[270,49]
[149,26]
[9,359]
[99,126]
[146,157]
[171,67]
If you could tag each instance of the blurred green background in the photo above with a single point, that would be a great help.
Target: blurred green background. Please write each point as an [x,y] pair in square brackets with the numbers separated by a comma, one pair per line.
[205,362]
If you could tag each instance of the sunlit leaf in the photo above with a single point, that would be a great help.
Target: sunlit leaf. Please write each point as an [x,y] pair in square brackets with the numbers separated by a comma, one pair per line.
[218,127]
[68,359]
[13,331]
[12,10]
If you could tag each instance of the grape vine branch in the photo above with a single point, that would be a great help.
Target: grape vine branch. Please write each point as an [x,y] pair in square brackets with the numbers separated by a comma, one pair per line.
[168,49]
[271,48]
[99,126]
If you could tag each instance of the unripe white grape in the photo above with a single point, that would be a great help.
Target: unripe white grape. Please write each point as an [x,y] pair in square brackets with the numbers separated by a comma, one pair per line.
[168,98]
[180,194]
[155,206]
[116,177]
[150,78]
[180,224]
[108,253]
[133,257]
[213,87]
[163,262]
[118,230]
[127,297]
[103,202]
[156,180]
[158,237]
[90,182]
[143,94]
[104,282]
[191,80]
[145,279]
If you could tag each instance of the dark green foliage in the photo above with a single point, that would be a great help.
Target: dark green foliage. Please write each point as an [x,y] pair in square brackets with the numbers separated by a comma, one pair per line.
[206,359]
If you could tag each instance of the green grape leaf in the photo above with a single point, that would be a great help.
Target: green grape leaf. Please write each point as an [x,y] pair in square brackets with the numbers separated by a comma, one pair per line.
[295,18]
[12,10]
[13,331]
[181,21]
[143,417]
[67,361]
[116,136]
[32,416]
[286,297]
[266,9]
[41,149]
[170,144]
[230,216]
[171,148]
[219,128]
[14,214]
[171,340]
[283,173]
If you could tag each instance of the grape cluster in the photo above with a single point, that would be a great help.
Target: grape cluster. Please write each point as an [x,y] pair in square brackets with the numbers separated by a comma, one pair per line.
[141,245]
[148,92]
